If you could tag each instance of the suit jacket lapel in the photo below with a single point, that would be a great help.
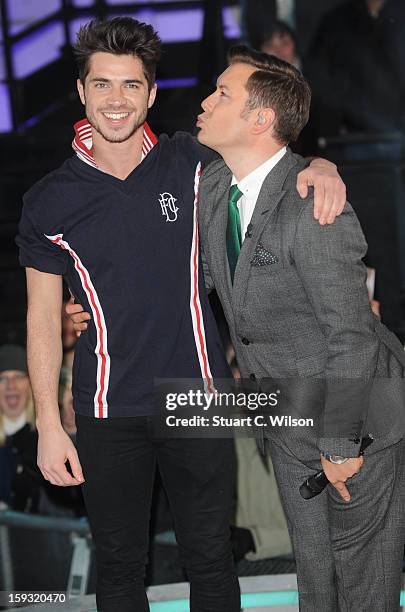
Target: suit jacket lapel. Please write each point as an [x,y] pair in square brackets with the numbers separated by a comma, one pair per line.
[270,196]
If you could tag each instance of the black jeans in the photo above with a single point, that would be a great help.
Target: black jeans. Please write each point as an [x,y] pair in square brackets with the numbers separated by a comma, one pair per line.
[118,457]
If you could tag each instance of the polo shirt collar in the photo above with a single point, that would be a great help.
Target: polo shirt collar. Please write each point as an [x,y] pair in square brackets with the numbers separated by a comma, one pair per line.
[82,143]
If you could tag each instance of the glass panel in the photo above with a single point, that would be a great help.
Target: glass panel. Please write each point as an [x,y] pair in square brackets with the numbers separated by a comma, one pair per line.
[2,64]
[182,25]
[83,3]
[22,13]
[135,2]
[231,21]
[5,115]
[38,49]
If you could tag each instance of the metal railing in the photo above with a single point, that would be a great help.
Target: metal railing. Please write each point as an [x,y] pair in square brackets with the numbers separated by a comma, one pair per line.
[80,537]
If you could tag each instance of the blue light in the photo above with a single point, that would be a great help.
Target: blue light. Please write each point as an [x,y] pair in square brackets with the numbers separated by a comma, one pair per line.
[185,25]
[83,3]
[176,83]
[2,65]
[22,13]
[134,2]
[181,25]
[231,21]
[249,600]
[6,124]
[38,49]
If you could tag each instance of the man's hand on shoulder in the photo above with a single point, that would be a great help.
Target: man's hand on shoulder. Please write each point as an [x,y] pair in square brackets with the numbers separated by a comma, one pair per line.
[329,189]
[78,316]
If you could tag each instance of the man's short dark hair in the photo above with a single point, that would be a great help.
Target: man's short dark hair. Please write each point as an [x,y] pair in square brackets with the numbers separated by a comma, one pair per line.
[278,85]
[119,36]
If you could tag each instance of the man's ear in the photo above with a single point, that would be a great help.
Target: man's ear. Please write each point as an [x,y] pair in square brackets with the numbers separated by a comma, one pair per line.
[263,120]
[80,89]
[152,95]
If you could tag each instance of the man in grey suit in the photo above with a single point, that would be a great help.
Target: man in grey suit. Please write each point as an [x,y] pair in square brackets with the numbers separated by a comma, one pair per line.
[294,295]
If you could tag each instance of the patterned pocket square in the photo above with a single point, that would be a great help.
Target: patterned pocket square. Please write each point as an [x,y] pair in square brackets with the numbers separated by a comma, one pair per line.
[263,257]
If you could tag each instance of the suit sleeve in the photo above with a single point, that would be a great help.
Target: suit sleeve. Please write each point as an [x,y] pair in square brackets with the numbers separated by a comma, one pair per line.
[329,263]
[209,283]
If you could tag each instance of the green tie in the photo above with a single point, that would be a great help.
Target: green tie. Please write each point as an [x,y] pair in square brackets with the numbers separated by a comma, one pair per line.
[233,231]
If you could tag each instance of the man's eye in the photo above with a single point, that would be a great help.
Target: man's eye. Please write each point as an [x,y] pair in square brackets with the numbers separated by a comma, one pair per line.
[100,85]
[132,85]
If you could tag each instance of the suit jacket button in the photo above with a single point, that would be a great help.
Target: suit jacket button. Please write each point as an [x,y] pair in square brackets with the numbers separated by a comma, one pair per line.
[245,341]
[252,377]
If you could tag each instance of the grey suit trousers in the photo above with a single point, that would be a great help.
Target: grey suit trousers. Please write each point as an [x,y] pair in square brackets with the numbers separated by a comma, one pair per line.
[353,549]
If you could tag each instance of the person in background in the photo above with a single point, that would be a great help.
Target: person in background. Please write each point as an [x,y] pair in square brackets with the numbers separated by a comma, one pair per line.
[355,66]
[281,41]
[20,478]
[22,486]
[257,16]
[260,530]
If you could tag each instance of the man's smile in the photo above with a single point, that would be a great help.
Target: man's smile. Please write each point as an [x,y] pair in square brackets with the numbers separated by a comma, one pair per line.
[116,118]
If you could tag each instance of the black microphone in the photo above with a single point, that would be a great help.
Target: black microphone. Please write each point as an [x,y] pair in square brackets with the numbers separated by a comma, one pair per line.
[316,483]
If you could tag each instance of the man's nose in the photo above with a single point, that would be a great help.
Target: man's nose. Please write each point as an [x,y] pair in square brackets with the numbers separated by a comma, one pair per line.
[208,104]
[116,97]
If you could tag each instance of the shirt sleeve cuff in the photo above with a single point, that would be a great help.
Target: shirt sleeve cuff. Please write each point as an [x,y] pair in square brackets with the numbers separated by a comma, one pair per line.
[42,263]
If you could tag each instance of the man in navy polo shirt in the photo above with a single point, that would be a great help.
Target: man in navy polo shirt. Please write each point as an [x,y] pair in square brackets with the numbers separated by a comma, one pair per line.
[118,220]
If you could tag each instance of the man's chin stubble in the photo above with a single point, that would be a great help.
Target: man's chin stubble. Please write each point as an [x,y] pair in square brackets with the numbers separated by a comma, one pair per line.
[117,138]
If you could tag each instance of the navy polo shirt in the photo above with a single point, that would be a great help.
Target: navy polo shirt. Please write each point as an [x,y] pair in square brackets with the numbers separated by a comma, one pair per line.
[129,251]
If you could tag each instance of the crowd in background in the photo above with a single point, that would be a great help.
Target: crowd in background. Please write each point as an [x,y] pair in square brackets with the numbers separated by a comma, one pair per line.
[22,486]
[354,65]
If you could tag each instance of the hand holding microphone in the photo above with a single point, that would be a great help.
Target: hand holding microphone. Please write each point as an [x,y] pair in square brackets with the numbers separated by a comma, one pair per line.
[339,474]
[315,484]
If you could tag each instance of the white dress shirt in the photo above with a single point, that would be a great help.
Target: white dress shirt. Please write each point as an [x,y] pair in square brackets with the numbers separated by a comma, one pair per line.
[251,185]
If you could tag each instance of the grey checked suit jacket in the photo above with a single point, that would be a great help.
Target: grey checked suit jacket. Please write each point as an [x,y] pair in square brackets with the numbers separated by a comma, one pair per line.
[305,313]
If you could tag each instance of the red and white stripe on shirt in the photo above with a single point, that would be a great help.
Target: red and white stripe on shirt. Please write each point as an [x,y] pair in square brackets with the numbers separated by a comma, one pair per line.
[101,350]
[195,304]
